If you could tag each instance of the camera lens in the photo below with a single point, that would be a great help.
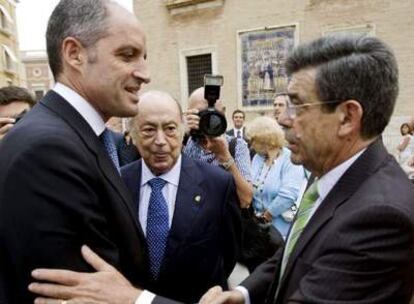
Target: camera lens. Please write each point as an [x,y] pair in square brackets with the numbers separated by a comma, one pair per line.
[212,123]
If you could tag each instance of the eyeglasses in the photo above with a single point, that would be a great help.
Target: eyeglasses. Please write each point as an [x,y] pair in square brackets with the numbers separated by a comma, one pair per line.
[293,110]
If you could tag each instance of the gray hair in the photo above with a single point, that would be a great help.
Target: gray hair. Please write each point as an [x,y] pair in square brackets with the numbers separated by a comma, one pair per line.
[354,67]
[85,20]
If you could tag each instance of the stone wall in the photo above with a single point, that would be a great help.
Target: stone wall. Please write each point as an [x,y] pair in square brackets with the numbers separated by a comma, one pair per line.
[213,26]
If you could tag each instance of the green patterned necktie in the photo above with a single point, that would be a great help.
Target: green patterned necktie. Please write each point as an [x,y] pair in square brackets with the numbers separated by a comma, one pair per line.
[305,210]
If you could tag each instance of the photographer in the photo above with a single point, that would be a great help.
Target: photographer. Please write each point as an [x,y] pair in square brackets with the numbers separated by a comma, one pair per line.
[14,103]
[216,151]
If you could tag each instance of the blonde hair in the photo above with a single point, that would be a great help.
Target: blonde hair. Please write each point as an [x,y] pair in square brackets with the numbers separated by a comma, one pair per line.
[267,131]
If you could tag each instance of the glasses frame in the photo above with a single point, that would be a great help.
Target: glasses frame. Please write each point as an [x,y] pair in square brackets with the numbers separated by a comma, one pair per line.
[291,109]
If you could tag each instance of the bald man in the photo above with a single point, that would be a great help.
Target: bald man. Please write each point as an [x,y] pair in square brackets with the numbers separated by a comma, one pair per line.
[215,150]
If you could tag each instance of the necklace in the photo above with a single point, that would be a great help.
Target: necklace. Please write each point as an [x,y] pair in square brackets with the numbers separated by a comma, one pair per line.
[262,176]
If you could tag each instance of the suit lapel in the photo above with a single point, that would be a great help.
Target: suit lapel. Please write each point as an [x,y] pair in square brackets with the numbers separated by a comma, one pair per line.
[189,201]
[131,175]
[62,108]
[347,185]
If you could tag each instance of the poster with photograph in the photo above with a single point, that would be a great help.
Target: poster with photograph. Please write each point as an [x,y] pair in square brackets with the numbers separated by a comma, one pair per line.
[263,53]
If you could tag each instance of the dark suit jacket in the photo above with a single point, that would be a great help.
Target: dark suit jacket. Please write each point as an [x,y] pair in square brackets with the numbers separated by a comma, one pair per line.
[357,248]
[205,236]
[231,133]
[59,190]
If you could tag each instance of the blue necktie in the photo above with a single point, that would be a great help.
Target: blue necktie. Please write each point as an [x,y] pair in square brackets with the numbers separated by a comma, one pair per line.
[157,226]
[238,134]
[110,147]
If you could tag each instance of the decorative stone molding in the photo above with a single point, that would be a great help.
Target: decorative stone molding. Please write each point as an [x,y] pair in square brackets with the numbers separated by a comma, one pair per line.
[182,6]
[180,3]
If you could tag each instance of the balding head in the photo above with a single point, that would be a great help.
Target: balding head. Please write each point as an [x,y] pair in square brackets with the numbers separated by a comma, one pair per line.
[158,99]
[197,101]
[158,130]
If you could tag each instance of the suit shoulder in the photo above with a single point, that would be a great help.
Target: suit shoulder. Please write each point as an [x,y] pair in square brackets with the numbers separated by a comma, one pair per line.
[130,168]
[211,170]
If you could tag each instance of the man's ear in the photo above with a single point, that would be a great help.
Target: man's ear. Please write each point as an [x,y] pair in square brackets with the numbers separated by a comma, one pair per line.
[350,115]
[73,54]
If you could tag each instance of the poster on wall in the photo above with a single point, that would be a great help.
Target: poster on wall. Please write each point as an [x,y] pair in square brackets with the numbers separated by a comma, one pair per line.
[263,53]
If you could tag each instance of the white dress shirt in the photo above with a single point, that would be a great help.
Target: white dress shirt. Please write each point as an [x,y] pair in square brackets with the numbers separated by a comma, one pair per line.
[169,191]
[236,130]
[324,185]
[83,107]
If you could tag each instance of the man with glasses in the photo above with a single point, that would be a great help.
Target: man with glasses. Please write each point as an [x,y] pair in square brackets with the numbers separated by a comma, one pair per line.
[352,240]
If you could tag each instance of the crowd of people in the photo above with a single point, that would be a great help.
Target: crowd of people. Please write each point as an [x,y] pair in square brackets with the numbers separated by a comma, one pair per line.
[162,213]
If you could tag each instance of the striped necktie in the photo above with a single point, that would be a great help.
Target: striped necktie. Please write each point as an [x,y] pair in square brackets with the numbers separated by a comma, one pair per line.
[304,213]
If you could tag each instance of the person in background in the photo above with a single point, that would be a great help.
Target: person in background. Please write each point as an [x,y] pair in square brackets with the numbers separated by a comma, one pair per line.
[406,146]
[14,103]
[279,106]
[216,150]
[276,180]
[127,150]
[238,123]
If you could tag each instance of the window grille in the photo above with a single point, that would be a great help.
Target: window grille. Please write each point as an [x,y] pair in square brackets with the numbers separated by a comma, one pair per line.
[197,66]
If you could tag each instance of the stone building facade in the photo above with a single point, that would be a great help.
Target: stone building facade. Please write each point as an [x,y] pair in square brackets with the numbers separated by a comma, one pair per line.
[180,30]
[10,67]
[38,76]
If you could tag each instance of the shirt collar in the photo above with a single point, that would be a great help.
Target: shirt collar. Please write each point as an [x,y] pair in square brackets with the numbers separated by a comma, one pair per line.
[82,106]
[328,181]
[171,177]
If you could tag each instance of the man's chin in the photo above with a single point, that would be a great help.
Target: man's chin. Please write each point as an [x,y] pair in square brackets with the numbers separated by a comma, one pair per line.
[296,159]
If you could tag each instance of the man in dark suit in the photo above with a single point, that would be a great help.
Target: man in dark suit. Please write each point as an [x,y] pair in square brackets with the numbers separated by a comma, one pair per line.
[204,233]
[353,237]
[59,187]
[197,247]
[238,123]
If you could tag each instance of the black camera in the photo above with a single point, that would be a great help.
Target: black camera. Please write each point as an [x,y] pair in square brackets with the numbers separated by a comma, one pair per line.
[212,122]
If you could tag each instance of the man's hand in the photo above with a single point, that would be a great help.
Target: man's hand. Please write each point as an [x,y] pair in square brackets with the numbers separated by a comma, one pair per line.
[410,161]
[267,216]
[216,295]
[106,285]
[6,123]
[219,146]
[192,120]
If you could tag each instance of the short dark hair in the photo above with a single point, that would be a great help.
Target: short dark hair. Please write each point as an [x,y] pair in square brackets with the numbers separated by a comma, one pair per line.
[11,94]
[84,20]
[406,124]
[355,67]
[238,111]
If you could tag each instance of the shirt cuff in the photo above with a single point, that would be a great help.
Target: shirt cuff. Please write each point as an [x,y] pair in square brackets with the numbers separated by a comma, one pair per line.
[146,297]
[244,292]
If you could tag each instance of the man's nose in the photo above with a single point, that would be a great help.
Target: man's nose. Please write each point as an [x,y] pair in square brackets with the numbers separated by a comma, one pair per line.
[160,138]
[141,71]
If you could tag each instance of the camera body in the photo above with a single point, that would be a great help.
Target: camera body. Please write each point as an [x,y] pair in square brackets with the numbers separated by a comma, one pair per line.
[212,123]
